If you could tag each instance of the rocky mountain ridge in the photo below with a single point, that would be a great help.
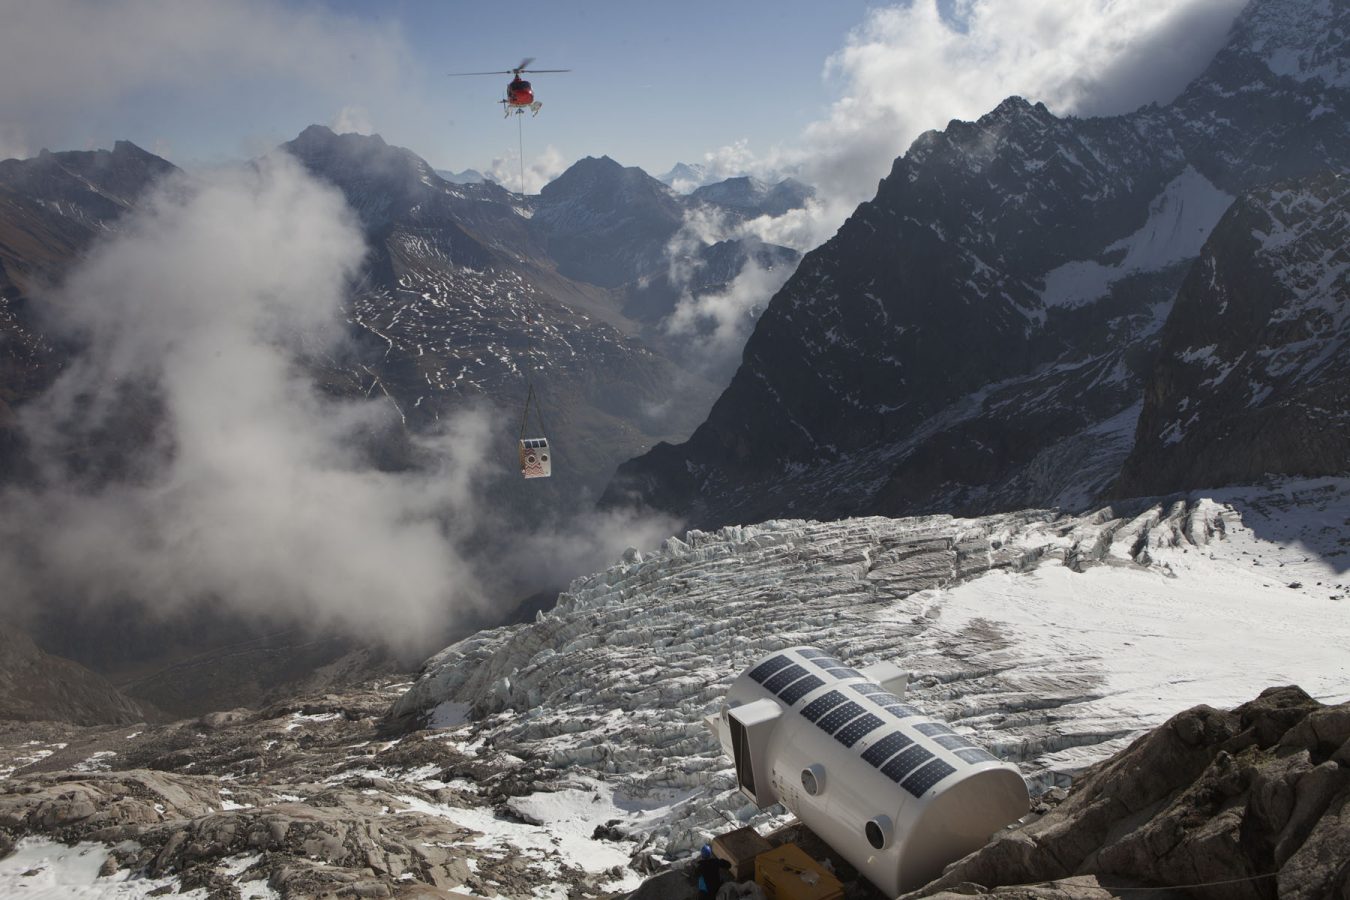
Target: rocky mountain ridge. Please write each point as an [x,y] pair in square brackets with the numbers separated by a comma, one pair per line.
[978,336]
[37,686]
[1255,348]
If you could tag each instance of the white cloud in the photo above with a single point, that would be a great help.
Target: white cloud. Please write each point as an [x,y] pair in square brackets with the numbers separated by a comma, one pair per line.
[908,69]
[545,167]
[718,323]
[253,492]
[62,62]
[353,119]
[187,453]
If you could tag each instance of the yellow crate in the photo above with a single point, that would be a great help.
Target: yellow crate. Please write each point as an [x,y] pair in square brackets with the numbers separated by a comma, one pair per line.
[787,873]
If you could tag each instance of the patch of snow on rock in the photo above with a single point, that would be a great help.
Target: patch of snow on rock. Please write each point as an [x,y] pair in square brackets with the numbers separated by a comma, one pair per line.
[41,869]
[1179,221]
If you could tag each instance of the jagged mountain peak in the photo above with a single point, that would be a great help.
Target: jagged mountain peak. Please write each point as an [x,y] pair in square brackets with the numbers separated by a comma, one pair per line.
[1301,39]
[104,166]
[983,326]
[379,179]
[321,143]
[1015,107]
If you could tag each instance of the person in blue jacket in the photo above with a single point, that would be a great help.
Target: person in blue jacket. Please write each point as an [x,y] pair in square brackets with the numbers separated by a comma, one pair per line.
[710,870]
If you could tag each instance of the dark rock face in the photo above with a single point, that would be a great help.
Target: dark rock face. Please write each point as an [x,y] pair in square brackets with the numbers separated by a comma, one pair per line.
[1255,797]
[35,686]
[1255,363]
[977,337]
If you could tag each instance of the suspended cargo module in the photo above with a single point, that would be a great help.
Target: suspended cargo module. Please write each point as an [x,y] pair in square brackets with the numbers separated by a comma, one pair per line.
[894,792]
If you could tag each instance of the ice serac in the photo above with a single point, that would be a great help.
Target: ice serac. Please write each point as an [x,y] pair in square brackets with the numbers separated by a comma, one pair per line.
[1255,363]
[977,337]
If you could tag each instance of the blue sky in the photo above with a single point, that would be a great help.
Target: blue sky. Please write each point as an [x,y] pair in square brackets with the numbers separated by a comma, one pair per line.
[651,84]
[832,91]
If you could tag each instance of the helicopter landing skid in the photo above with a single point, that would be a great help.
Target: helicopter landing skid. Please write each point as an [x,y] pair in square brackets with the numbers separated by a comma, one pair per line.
[507,109]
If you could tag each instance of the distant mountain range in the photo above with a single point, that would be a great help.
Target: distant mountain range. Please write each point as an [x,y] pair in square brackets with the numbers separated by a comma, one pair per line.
[685,178]
[468,293]
[991,329]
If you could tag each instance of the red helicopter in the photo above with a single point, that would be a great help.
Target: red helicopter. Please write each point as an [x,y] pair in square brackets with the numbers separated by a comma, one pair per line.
[519,95]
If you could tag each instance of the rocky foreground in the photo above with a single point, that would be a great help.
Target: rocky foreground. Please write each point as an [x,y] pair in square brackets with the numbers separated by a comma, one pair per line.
[308,799]
[311,801]
[1248,803]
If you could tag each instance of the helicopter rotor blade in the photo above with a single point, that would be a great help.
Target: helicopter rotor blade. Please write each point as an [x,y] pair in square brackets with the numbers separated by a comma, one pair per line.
[525,62]
[537,71]
[460,74]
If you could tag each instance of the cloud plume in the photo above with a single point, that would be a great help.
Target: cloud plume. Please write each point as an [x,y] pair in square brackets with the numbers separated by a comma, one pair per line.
[910,68]
[63,63]
[253,491]
[190,453]
[505,170]
[913,67]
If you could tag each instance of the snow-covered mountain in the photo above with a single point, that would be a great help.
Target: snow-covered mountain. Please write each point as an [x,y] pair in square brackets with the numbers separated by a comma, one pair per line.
[978,336]
[466,295]
[1255,365]
[685,177]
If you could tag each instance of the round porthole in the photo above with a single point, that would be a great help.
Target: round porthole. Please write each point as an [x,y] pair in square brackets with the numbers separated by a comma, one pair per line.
[813,779]
[878,831]
[530,459]
[544,457]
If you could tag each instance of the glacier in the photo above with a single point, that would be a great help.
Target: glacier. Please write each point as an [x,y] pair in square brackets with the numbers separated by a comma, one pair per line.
[1053,640]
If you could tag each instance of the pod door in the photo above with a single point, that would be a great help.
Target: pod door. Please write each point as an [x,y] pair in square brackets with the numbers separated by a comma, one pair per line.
[740,746]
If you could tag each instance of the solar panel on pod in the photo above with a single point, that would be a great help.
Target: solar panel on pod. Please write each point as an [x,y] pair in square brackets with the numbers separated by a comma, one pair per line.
[783,677]
[896,793]
[799,689]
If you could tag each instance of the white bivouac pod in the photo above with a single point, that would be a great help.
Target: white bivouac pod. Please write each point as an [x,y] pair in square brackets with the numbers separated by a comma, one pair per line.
[894,792]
